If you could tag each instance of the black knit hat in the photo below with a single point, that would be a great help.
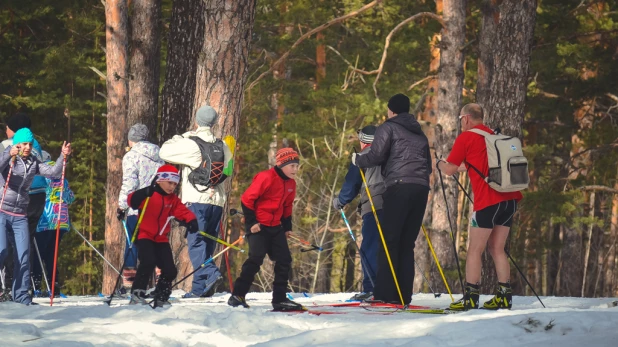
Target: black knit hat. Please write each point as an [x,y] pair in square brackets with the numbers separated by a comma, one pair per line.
[399,103]
[366,134]
[18,121]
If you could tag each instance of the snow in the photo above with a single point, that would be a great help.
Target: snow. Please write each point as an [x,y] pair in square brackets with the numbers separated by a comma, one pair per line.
[87,321]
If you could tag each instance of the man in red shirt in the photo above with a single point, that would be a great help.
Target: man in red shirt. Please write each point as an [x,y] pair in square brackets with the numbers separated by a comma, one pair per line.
[493,212]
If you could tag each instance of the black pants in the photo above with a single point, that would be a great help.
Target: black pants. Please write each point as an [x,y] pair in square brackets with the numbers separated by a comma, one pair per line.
[153,254]
[404,208]
[271,241]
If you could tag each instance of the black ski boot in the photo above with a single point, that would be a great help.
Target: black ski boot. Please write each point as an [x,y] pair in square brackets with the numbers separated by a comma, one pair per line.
[469,301]
[503,298]
[237,300]
[138,297]
[362,296]
[287,305]
[162,293]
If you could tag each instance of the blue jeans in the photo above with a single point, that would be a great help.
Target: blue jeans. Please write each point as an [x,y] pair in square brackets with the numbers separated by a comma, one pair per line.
[131,257]
[202,248]
[369,249]
[14,233]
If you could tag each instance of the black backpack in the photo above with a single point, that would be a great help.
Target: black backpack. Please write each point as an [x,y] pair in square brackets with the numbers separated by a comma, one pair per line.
[210,172]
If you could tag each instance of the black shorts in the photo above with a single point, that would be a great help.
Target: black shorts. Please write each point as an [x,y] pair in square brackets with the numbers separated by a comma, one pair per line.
[498,214]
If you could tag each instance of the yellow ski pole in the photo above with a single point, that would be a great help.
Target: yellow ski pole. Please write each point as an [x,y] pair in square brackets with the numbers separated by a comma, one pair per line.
[375,215]
[437,262]
[214,238]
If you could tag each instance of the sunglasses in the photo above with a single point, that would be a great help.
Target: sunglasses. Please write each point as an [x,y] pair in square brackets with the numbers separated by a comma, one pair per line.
[463,115]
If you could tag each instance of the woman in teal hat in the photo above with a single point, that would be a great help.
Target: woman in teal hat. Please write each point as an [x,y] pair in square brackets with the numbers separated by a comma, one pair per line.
[18,166]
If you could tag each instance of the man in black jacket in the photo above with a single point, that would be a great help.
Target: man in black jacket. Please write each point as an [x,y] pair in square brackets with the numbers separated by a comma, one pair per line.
[402,149]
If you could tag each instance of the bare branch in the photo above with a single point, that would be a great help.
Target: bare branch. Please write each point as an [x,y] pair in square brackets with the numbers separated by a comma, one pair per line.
[311,32]
[387,43]
[598,188]
[415,84]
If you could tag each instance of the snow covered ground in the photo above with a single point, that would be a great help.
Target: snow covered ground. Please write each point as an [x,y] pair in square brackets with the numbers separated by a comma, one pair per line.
[86,321]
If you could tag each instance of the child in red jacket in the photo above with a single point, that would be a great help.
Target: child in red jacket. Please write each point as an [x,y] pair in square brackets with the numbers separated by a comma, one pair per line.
[267,206]
[152,241]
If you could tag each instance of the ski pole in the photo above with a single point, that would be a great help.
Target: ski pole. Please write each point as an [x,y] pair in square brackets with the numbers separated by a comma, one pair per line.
[64,165]
[375,215]
[435,257]
[6,184]
[227,258]
[436,295]
[207,262]
[450,223]
[214,238]
[361,253]
[509,255]
[126,231]
[36,248]
[135,232]
[96,250]
[307,243]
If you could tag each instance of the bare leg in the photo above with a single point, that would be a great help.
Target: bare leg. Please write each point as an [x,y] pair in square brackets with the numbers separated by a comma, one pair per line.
[478,241]
[495,245]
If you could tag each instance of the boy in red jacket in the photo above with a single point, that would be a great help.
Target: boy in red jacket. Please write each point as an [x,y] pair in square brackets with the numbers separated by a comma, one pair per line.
[152,241]
[267,206]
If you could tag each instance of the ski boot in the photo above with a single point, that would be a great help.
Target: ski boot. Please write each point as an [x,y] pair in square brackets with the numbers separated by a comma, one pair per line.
[237,300]
[162,293]
[469,301]
[287,305]
[362,296]
[160,303]
[138,297]
[5,295]
[503,298]
[213,288]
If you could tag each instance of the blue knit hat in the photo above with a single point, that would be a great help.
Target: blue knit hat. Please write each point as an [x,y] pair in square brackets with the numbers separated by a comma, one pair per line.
[23,135]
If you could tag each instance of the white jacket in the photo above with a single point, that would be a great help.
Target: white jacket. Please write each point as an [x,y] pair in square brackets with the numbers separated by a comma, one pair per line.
[184,151]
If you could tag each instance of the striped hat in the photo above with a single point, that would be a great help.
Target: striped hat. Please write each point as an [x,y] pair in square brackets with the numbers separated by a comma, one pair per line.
[286,156]
[366,134]
[168,173]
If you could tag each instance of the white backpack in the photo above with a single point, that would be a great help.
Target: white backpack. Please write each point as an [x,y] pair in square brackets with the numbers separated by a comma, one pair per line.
[508,168]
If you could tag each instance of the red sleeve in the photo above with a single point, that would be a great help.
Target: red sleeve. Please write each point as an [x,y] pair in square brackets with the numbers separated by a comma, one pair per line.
[256,189]
[181,212]
[289,203]
[458,152]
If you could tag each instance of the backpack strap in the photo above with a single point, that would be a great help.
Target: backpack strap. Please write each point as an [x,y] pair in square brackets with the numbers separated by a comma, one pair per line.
[200,144]
[484,134]
[480,132]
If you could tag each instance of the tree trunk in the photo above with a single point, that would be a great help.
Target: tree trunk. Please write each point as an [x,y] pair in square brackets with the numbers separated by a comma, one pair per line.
[450,83]
[610,270]
[504,55]
[145,63]
[117,103]
[185,40]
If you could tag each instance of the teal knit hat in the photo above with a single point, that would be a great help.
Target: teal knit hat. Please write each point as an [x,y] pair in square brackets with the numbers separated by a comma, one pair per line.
[23,135]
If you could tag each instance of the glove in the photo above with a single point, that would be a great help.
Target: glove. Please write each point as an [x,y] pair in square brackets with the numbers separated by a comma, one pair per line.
[337,205]
[120,214]
[192,226]
[354,159]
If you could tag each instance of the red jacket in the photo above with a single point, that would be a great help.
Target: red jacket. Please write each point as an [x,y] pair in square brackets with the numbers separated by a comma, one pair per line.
[161,209]
[271,197]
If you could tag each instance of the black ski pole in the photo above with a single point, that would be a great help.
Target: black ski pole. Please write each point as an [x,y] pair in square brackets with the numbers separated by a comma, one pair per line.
[450,223]
[435,295]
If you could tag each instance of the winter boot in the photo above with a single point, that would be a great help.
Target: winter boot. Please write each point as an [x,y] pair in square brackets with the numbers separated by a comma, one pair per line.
[503,298]
[213,288]
[469,301]
[138,297]
[362,296]
[287,305]
[162,293]
[237,300]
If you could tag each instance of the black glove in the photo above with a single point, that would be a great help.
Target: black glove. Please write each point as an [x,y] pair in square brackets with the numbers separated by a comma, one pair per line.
[192,226]
[120,214]
[337,205]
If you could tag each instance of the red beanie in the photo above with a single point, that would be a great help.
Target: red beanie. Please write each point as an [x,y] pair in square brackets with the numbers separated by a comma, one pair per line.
[286,156]
[168,173]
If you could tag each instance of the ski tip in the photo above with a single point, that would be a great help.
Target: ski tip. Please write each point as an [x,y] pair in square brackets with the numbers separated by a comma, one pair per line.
[306,295]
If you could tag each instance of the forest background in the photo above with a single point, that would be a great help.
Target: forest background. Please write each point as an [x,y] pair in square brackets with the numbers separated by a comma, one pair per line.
[308,74]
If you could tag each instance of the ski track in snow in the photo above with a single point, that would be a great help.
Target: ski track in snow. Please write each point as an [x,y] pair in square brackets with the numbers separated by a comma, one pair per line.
[87,321]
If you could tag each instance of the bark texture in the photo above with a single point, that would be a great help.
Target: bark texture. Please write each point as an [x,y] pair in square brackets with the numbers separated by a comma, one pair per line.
[116,38]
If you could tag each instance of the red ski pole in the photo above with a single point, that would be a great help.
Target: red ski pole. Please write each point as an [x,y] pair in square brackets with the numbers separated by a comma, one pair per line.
[6,184]
[53,284]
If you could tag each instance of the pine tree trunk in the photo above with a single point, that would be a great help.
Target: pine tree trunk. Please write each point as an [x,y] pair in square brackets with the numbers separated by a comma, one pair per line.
[504,55]
[145,63]
[610,270]
[116,20]
[185,40]
[450,83]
